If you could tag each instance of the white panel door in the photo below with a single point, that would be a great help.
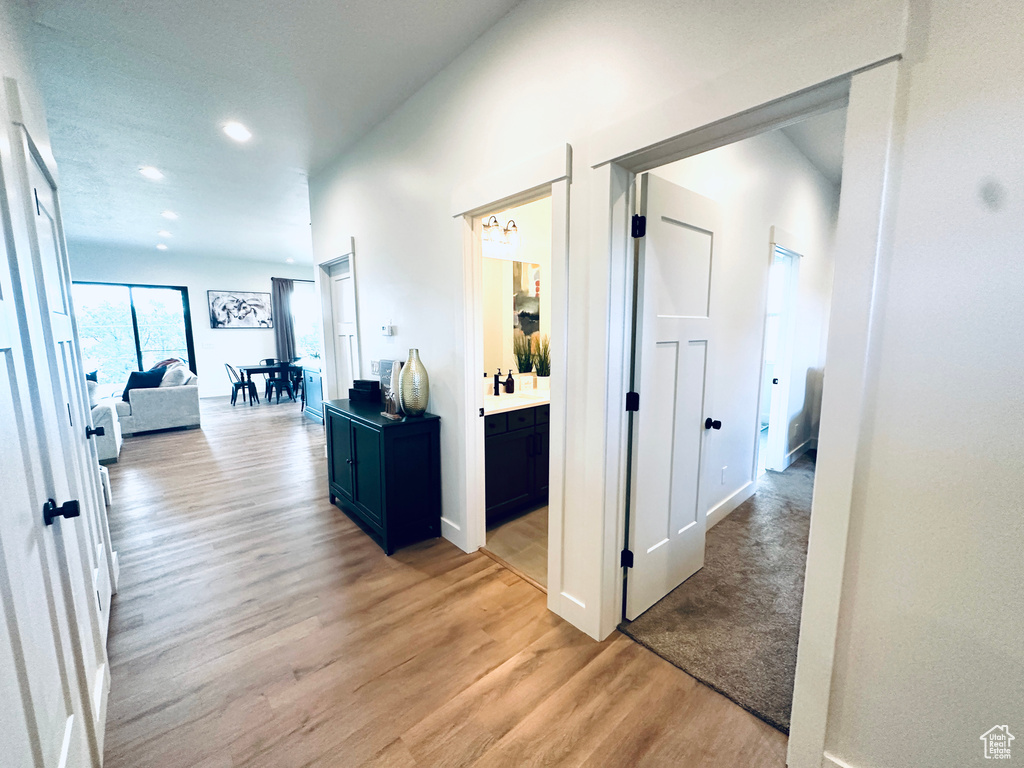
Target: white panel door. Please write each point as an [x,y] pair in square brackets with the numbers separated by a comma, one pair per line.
[43,718]
[346,340]
[672,358]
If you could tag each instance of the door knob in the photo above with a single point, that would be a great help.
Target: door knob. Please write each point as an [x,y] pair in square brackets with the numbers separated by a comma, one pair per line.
[775,381]
[712,424]
[68,509]
[98,431]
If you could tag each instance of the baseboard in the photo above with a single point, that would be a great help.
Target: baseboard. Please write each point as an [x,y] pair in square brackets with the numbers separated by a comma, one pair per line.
[831,761]
[453,532]
[718,512]
[799,451]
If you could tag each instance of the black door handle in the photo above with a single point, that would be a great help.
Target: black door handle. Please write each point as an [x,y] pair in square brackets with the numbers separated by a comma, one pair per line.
[98,431]
[68,509]
[712,424]
[775,381]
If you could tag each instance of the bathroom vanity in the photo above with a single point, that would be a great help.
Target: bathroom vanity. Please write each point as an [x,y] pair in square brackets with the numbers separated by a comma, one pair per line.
[517,448]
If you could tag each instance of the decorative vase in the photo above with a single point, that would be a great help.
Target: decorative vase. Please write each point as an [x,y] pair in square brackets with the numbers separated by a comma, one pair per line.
[414,385]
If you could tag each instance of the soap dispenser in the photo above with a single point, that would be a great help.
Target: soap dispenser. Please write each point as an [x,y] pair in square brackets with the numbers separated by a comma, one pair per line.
[497,383]
[510,383]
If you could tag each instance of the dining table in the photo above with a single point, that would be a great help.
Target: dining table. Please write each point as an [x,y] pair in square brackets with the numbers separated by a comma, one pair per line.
[286,369]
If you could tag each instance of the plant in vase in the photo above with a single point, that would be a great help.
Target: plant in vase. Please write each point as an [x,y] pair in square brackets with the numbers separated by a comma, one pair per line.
[542,359]
[522,351]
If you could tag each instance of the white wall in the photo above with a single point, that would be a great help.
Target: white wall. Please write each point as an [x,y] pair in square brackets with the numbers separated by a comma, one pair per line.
[214,347]
[929,651]
[761,182]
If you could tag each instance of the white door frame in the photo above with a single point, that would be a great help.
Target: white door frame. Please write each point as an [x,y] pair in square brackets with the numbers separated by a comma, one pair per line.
[861,248]
[329,334]
[546,175]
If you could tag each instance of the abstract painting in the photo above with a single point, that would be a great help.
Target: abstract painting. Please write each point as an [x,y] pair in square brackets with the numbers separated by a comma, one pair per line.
[240,309]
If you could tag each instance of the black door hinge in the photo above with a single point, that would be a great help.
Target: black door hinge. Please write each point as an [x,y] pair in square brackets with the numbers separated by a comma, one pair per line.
[639,225]
[632,401]
[626,560]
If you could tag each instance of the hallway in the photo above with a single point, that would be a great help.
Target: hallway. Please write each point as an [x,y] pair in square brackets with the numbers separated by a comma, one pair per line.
[257,626]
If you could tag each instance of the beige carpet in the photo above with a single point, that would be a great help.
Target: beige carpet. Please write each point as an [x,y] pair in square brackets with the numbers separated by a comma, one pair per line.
[734,624]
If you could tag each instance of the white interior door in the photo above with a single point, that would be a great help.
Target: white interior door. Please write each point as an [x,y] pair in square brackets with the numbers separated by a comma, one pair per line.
[46,393]
[46,718]
[672,357]
[346,340]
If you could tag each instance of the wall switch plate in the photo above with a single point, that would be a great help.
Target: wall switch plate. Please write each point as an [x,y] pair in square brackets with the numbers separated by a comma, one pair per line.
[375,367]
[723,474]
[387,330]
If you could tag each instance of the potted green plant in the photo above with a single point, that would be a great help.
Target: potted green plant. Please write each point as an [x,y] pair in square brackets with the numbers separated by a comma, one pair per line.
[542,359]
[523,353]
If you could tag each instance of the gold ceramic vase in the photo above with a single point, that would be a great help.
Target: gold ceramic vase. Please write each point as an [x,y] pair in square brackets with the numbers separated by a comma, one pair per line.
[414,385]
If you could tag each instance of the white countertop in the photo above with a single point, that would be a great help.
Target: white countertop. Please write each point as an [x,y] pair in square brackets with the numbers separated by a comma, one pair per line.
[514,402]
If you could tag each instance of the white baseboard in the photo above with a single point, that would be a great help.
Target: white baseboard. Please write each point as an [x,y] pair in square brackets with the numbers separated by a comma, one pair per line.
[454,533]
[800,450]
[831,761]
[718,512]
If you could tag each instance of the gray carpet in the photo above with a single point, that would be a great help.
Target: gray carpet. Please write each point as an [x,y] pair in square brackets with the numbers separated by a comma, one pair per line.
[734,624]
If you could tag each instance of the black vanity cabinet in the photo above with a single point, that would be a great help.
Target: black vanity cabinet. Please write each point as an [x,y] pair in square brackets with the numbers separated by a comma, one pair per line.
[386,475]
[516,457]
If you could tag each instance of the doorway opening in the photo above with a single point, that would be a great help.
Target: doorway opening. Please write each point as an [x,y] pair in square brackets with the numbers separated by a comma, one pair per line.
[515,248]
[733,289]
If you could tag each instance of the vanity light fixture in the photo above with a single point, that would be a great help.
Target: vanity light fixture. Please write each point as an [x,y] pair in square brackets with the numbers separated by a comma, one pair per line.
[510,234]
[237,131]
[492,230]
[151,173]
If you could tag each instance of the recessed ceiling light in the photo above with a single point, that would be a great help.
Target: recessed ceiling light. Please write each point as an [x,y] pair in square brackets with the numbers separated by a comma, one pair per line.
[169,215]
[164,233]
[151,173]
[237,131]
[289,261]
[161,247]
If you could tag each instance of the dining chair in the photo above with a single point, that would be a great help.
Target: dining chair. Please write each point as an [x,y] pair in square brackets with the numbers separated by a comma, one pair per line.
[238,384]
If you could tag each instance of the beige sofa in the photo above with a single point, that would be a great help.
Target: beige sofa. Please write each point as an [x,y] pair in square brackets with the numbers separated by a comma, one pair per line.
[159,408]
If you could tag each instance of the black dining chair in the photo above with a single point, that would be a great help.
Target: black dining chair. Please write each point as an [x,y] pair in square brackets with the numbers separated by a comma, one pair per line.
[279,380]
[238,384]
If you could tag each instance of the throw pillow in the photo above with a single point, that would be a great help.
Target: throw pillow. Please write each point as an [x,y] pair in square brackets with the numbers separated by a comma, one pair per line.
[94,376]
[92,386]
[175,376]
[143,380]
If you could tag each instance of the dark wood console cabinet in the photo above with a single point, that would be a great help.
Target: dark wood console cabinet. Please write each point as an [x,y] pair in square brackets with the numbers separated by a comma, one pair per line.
[517,448]
[386,475]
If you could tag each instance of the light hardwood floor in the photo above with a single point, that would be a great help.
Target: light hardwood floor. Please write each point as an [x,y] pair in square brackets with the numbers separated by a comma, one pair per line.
[257,626]
[522,542]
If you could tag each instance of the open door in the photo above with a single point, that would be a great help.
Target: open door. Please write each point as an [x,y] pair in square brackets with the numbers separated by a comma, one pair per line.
[346,336]
[673,345]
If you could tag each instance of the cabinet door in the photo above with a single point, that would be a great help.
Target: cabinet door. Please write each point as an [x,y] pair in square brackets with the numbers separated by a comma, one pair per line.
[542,442]
[366,450]
[339,443]
[509,472]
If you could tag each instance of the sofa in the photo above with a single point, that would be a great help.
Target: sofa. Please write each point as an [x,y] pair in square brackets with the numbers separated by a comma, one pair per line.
[104,416]
[159,408]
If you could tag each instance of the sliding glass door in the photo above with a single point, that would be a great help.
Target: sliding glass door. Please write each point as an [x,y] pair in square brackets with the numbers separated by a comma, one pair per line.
[127,328]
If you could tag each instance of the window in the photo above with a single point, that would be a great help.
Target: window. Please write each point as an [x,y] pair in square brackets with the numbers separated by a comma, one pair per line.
[306,319]
[127,328]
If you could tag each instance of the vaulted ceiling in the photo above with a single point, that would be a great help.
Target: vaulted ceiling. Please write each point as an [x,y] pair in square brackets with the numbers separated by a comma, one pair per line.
[135,83]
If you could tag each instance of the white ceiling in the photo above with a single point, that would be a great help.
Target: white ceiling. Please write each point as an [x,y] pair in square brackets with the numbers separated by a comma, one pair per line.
[821,138]
[128,84]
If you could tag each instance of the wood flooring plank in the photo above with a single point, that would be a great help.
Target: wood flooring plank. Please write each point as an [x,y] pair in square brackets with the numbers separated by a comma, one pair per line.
[257,626]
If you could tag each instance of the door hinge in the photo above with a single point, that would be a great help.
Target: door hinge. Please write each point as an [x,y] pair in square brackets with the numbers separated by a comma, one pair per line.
[632,401]
[626,560]
[639,225]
